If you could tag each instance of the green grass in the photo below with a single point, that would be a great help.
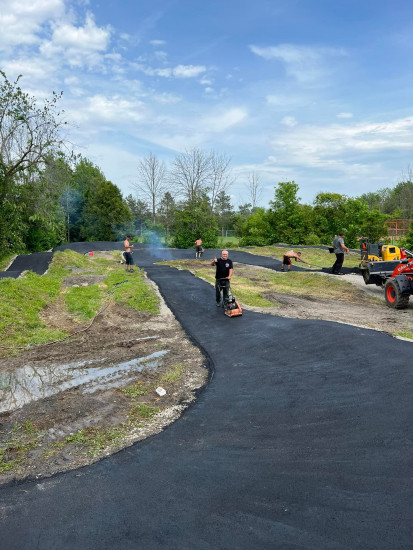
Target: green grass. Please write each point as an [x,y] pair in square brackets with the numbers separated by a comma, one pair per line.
[23,300]
[135,390]
[131,289]
[96,440]
[5,261]
[16,444]
[141,411]
[174,374]
[314,256]
[230,242]
[84,301]
[404,334]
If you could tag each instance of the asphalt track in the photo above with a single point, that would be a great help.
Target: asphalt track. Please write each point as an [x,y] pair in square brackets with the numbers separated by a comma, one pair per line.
[301,440]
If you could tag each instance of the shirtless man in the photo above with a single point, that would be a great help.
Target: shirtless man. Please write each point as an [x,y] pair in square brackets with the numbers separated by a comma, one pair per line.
[128,255]
[287,259]
[199,250]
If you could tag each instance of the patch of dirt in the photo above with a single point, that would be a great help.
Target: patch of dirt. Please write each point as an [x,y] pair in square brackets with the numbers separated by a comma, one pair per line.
[362,313]
[64,404]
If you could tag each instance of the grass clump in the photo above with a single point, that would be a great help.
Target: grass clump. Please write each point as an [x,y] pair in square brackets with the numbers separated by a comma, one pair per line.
[142,411]
[15,446]
[131,290]
[96,440]
[21,301]
[174,374]
[136,390]
[84,301]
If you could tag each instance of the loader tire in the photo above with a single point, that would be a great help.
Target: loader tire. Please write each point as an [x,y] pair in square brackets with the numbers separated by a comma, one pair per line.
[366,276]
[394,298]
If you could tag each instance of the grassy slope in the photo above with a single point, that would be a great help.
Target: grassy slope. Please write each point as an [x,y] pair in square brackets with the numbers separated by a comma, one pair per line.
[22,300]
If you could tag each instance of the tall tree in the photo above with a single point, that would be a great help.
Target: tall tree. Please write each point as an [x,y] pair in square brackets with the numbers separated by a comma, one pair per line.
[104,211]
[151,181]
[166,212]
[28,134]
[221,177]
[223,210]
[254,187]
[191,173]
[196,221]
[287,216]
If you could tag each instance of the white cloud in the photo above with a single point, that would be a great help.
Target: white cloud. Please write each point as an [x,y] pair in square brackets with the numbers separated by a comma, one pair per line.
[305,63]
[336,146]
[81,46]
[157,42]
[22,20]
[344,115]
[100,109]
[289,121]
[224,120]
[180,71]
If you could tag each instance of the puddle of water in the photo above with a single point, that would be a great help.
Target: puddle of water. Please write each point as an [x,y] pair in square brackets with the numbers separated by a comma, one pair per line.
[29,383]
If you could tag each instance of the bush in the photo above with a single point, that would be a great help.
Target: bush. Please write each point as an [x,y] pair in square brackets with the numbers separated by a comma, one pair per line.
[312,239]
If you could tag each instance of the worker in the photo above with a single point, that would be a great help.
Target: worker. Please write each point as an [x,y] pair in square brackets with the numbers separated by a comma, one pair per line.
[199,250]
[224,270]
[339,249]
[289,256]
[128,254]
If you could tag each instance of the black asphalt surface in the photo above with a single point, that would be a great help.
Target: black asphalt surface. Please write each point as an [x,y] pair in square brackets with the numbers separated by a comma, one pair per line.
[301,440]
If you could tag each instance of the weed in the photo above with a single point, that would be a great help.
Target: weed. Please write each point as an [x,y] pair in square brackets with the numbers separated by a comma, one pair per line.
[136,390]
[142,411]
[174,374]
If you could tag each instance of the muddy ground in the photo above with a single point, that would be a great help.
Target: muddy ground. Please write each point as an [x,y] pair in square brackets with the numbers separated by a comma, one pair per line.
[65,406]
[64,402]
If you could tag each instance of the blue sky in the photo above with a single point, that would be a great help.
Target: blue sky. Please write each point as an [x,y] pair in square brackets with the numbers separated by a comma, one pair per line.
[319,92]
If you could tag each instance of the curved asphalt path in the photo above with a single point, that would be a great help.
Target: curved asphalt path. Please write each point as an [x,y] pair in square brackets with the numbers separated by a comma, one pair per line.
[302,439]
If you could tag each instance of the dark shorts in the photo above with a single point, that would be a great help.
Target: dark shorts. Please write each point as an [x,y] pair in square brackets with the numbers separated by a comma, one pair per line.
[199,248]
[287,260]
[128,258]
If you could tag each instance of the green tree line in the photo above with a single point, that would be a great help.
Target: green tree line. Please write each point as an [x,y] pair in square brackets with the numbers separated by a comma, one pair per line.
[49,196]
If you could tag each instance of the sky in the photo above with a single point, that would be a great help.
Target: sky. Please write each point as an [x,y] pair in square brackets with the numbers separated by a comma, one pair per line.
[315,91]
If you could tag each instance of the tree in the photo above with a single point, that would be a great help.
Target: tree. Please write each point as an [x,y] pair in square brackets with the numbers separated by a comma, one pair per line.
[221,177]
[254,188]
[44,217]
[193,221]
[223,210]
[28,134]
[166,212]
[287,217]
[191,173]
[257,229]
[104,212]
[151,181]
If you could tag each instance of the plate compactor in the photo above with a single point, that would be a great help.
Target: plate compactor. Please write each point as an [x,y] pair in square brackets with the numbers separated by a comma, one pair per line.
[232,308]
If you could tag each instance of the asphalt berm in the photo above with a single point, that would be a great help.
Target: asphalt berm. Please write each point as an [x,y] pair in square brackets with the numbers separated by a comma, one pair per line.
[302,439]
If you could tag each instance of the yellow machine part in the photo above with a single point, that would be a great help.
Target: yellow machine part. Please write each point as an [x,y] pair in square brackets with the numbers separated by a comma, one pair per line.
[390,252]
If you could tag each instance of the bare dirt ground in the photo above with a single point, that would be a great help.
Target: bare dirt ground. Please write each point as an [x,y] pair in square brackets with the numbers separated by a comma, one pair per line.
[63,404]
[367,309]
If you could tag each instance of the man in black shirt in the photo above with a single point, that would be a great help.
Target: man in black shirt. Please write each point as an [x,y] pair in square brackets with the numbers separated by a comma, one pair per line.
[223,275]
